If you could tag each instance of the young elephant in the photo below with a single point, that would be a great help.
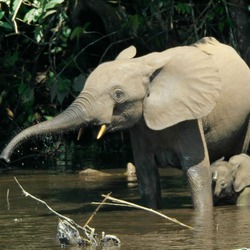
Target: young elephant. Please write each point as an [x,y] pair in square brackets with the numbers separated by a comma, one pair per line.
[232,180]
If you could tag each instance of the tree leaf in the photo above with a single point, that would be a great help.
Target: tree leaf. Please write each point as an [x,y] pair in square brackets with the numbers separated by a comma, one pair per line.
[47,117]
[183,8]
[79,82]
[64,85]
[77,31]
[11,59]
[7,2]
[21,89]
[135,22]
[1,14]
[61,96]
[5,25]
[15,5]
[53,92]
[33,15]
[49,12]
[52,4]
[38,33]
[56,50]
[26,93]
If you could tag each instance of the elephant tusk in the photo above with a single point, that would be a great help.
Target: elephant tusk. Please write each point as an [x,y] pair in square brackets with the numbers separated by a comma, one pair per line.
[215,176]
[101,132]
[80,132]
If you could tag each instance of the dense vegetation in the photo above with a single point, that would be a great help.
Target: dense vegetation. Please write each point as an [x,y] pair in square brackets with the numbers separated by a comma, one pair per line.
[48,47]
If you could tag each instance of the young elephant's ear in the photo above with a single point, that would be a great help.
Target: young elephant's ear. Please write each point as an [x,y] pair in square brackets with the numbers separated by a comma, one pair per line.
[127,53]
[242,178]
[185,85]
[218,161]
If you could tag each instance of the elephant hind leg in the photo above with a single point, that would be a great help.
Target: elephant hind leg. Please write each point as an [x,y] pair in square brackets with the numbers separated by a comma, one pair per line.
[246,139]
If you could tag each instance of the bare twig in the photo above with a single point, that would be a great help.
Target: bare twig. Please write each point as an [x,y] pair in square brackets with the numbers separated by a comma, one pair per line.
[231,31]
[146,209]
[109,204]
[97,209]
[193,19]
[53,211]
[82,50]
[88,231]
[110,45]
[7,199]
[14,16]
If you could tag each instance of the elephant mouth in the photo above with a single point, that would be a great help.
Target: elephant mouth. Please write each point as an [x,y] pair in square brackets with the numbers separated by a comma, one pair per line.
[102,129]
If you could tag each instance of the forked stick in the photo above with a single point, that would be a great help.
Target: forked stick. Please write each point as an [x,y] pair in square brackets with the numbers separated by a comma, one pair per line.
[107,197]
[129,204]
[53,211]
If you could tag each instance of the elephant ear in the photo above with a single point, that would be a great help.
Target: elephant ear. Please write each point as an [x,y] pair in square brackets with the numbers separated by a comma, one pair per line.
[242,178]
[127,53]
[218,161]
[185,86]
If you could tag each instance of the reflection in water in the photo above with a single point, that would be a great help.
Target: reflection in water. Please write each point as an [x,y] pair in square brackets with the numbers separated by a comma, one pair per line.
[26,224]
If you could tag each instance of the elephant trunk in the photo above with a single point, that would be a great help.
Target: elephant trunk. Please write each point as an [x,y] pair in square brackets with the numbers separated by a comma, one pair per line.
[72,118]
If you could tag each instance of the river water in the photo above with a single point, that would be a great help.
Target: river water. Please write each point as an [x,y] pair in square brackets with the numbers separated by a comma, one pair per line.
[28,224]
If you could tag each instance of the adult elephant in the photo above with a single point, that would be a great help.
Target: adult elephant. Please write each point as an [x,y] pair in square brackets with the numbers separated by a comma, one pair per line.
[182,106]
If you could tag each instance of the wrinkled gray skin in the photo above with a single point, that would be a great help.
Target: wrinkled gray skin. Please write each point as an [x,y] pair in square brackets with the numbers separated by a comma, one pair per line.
[231,178]
[179,105]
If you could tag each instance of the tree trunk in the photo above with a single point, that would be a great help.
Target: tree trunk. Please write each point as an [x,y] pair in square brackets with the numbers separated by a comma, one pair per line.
[241,18]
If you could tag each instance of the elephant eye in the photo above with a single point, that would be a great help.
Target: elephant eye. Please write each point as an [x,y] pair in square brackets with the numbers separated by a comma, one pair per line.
[119,95]
[223,184]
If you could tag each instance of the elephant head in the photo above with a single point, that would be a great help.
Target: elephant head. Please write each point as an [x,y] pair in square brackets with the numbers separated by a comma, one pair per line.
[163,88]
[223,175]
[231,176]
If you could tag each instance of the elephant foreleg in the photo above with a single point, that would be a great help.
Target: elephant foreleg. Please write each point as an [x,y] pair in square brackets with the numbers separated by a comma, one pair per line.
[147,173]
[195,163]
[200,187]
[149,185]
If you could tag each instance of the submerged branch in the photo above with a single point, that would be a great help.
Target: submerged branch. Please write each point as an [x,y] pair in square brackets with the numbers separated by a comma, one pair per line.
[67,232]
[69,235]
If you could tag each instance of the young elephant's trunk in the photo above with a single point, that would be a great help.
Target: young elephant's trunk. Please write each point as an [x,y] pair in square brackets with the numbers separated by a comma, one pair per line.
[72,118]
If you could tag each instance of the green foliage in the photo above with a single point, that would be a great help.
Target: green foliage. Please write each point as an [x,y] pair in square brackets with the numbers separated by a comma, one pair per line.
[184,8]
[34,48]
[160,24]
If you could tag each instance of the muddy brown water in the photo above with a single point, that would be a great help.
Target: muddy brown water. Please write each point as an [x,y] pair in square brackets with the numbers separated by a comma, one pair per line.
[27,224]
